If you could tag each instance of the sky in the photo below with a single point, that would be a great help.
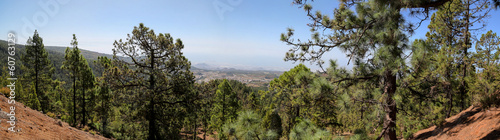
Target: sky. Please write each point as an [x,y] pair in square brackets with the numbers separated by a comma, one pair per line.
[235,33]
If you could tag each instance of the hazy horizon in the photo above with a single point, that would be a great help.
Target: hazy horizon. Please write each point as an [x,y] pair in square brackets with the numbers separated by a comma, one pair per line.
[217,32]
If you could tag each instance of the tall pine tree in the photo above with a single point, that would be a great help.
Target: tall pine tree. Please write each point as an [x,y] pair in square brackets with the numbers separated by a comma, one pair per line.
[225,106]
[373,37]
[38,69]
[156,82]
[73,64]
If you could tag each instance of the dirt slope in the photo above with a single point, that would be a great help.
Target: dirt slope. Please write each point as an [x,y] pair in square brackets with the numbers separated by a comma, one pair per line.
[470,124]
[32,124]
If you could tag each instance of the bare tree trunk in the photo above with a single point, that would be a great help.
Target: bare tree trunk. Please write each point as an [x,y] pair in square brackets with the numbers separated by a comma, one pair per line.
[389,131]
[463,85]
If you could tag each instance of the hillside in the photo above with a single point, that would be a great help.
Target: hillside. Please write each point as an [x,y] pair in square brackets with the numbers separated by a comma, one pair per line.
[255,78]
[55,56]
[470,124]
[85,53]
[32,124]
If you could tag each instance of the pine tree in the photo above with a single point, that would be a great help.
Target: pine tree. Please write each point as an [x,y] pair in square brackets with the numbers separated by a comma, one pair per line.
[104,97]
[206,91]
[448,72]
[487,84]
[37,68]
[305,129]
[73,64]
[225,106]
[33,101]
[373,37]
[291,97]
[248,127]
[474,12]
[87,79]
[156,82]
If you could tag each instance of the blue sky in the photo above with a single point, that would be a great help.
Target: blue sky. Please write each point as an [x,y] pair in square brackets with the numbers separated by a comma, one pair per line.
[247,34]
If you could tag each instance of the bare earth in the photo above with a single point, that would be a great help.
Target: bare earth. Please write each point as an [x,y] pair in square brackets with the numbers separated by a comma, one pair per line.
[470,124]
[32,124]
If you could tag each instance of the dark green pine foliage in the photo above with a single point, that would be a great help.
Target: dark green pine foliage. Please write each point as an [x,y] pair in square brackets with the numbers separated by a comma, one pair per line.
[206,92]
[33,101]
[290,97]
[442,67]
[373,37]
[154,86]
[225,107]
[104,97]
[486,88]
[433,81]
[472,19]
[88,96]
[305,129]
[73,64]
[248,126]
[37,69]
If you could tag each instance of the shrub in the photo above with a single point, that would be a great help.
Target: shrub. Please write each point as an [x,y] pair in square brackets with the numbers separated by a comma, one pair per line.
[5,91]
[491,100]
[306,130]
[52,115]
[248,127]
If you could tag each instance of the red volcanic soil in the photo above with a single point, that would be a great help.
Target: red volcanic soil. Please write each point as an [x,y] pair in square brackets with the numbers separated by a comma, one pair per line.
[31,124]
[473,123]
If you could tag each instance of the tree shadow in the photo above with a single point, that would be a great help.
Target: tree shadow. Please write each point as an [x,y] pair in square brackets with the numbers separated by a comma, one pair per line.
[493,135]
[447,126]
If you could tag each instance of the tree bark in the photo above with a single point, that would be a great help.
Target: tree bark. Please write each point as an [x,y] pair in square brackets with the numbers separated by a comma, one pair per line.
[463,85]
[152,135]
[390,107]
[153,132]
[74,101]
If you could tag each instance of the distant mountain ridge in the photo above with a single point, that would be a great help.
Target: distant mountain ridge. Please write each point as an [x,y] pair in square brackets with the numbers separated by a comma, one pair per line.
[56,54]
[86,53]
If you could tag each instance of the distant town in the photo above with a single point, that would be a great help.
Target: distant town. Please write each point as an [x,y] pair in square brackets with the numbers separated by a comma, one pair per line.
[251,78]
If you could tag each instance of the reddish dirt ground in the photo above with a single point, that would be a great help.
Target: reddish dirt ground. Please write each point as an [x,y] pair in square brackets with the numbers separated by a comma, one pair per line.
[32,124]
[470,124]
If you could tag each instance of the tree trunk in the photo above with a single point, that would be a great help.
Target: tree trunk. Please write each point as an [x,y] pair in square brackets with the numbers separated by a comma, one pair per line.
[36,75]
[153,132]
[74,101]
[83,105]
[463,85]
[450,101]
[390,107]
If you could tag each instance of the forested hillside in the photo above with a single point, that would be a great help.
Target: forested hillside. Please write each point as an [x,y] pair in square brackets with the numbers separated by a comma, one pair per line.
[56,56]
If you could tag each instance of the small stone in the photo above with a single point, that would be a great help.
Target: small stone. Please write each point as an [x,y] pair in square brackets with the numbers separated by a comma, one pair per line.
[3,115]
[59,123]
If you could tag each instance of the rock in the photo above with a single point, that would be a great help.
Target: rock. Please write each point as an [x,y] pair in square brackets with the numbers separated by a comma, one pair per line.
[3,115]
[59,123]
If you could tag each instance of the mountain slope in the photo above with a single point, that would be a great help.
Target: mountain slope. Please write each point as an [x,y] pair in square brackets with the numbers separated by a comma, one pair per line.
[470,124]
[32,124]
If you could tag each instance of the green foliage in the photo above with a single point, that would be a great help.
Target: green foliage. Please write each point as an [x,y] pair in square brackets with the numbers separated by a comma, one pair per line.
[299,93]
[33,101]
[272,121]
[37,68]
[153,89]
[289,95]
[306,130]
[359,134]
[82,80]
[487,85]
[225,105]
[248,127]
